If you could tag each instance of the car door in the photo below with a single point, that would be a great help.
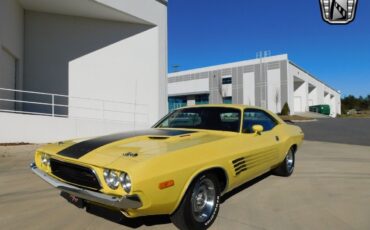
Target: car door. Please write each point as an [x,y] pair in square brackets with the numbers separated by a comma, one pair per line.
[260,151]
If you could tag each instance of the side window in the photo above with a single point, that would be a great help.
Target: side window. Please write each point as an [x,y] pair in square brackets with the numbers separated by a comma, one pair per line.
[257,117]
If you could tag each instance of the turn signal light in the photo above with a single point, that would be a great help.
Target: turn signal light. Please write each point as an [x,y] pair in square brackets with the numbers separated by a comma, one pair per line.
[166,184]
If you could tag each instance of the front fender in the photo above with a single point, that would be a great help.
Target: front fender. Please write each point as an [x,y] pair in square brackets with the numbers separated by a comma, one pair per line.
[194,176]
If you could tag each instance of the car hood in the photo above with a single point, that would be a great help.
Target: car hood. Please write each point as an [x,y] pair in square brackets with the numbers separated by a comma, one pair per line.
[132,147]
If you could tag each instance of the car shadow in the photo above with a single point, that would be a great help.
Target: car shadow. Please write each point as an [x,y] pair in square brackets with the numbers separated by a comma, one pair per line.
[117,217]
[244,186]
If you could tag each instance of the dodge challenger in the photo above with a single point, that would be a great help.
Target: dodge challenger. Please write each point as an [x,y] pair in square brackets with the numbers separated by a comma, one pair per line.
[180,167]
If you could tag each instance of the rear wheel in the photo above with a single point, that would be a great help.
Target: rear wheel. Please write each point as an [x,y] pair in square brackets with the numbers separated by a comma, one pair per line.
[200,205]
[286,168]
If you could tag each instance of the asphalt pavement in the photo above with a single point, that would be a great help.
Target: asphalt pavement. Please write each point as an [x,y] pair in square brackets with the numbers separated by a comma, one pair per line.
[355,131]
[330,189]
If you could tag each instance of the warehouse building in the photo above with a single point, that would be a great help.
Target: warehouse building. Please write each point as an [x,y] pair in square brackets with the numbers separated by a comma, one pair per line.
[267,82]
[81,68]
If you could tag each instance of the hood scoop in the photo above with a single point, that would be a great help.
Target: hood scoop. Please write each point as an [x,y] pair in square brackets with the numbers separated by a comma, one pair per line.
[158,138]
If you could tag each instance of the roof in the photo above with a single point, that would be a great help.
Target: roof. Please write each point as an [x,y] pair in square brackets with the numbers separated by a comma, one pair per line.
[230,65]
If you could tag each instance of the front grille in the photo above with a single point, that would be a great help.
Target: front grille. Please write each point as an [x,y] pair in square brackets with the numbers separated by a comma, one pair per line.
[75,174]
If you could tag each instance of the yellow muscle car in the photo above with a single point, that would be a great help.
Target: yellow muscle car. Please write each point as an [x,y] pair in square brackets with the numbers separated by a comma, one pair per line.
[180,167]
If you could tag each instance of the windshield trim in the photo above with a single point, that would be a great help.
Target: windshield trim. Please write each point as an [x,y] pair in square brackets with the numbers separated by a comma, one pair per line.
[169,114]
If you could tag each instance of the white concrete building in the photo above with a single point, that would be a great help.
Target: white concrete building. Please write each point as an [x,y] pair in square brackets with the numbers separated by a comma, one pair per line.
[267,82]
[104,63]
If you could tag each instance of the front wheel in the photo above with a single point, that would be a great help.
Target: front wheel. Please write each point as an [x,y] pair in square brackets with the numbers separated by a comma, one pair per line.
[200,205]
[286,168]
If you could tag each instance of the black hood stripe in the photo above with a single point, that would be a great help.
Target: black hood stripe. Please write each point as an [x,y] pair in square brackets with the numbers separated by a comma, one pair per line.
[80,149]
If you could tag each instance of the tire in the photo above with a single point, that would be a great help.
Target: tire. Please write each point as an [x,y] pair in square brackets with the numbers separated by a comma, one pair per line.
[286,167]
[200,204]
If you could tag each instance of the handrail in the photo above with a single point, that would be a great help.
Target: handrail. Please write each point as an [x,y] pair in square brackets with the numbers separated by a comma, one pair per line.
[33,92]
[72,97]
[50,103]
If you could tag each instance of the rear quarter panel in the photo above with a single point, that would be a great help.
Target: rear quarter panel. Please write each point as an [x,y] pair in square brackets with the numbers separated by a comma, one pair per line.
[289,135]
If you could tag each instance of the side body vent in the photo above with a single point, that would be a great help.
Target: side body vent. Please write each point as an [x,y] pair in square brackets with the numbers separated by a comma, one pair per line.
[239,165]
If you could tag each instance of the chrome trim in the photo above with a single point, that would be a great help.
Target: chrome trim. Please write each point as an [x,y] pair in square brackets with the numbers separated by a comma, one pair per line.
[124,202]
[97,177]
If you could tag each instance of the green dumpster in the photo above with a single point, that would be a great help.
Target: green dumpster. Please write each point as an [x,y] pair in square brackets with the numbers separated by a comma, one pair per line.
[322,109]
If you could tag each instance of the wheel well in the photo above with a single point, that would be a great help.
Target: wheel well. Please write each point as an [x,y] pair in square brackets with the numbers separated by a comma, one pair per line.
[221,176]
[294,148]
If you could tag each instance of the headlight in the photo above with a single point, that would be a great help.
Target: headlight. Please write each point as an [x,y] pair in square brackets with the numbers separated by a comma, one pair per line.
[114,179]
[111,178]
[45,159]
[125,182]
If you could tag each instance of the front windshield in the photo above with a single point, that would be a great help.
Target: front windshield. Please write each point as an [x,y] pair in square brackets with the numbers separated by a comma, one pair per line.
[213,118]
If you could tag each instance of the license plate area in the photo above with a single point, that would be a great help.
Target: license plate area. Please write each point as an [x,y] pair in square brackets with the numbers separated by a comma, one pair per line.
[78,202]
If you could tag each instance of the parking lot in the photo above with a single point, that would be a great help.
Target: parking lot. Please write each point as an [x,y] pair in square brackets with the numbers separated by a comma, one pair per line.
[330,189]
[355,131]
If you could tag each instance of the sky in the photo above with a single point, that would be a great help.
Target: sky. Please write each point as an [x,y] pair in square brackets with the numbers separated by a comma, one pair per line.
[210,32]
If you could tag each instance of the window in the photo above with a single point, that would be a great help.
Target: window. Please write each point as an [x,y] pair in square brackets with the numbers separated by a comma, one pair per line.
[212,118]
[227,100]
[257,117]
[176,102]
[201,99]
[226,80]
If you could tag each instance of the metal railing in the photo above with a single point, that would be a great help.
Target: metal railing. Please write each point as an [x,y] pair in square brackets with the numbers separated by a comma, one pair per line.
[59,105]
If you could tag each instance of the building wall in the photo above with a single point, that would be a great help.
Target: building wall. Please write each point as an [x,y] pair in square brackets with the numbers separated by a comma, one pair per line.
[196,86]
[122,77]
[53,41]
[274,90]
[249,88]
[43,129]
[256,82]
[114,52]
[268,82]
[317,97]
[96,58]
[154,12]
[11,49]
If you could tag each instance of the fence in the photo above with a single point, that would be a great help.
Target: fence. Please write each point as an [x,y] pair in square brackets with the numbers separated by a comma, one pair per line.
[64,106]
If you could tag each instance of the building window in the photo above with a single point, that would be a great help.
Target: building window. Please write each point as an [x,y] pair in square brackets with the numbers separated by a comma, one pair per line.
[176,102]
[201,99]
[227,100]
[226,80]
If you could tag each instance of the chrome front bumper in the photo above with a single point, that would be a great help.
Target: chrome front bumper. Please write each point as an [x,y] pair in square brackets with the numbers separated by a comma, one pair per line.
[125,202]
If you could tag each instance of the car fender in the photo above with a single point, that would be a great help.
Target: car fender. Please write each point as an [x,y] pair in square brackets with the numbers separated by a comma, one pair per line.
[195,175]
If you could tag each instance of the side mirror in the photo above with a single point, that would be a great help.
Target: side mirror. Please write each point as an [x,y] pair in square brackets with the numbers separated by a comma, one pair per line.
[257,129]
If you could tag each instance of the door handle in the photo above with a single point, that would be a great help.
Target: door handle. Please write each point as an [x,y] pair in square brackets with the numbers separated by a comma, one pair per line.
[277,138]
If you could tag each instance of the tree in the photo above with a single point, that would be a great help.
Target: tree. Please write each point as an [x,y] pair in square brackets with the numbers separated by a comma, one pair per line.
[352,102]
[285,110]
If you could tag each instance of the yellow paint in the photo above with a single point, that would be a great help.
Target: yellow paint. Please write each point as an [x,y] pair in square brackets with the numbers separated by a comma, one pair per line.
[181,159]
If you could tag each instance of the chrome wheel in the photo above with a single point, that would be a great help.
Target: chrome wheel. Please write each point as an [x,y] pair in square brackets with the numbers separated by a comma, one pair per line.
[290,161]
[203,200]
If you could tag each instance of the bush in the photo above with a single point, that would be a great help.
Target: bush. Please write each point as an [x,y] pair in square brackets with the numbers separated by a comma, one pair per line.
[285,110]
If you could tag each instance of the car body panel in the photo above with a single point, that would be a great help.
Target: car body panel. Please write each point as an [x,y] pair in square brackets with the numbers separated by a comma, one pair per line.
[181,158]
